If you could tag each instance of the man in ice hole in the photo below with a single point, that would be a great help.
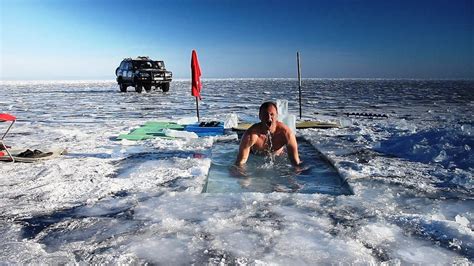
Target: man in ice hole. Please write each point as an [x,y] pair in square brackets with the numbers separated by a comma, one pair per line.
[269,137]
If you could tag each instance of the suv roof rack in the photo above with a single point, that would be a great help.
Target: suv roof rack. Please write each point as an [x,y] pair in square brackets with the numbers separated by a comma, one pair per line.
[142,58]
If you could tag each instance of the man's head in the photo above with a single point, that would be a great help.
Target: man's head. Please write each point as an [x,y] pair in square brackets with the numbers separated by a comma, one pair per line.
[268,113]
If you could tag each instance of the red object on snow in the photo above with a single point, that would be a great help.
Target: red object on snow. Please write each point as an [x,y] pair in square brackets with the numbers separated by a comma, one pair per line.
[196,85]
[6,118]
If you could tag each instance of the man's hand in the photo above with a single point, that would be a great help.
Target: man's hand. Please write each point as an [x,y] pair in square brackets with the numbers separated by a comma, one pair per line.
[238,171]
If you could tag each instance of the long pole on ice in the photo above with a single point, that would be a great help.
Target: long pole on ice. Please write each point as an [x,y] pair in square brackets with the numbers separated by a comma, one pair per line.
[197,109]
[299,78]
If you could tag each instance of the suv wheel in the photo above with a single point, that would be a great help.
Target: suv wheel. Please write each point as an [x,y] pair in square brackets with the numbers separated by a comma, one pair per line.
[123,87]
[138,88]
[165,87]
[147,88]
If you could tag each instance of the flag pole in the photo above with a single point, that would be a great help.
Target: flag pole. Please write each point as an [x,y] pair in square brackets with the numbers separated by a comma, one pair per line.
[197,108]
[299,78]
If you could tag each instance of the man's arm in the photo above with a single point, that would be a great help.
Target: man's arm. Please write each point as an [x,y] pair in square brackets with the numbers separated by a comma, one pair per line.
[292,149]
[244,149]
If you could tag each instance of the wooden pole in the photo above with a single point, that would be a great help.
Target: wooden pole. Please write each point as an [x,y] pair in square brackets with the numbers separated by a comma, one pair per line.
[197,108]
[299,79]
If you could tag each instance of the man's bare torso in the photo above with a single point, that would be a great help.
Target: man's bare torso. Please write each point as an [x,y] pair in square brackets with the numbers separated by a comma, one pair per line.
[265,143]
[268,137]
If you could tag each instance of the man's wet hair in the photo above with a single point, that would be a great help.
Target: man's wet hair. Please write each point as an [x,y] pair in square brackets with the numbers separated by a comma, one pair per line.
[265,105]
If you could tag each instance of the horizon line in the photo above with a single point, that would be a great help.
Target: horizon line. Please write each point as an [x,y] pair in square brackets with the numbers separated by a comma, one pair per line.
[230,78]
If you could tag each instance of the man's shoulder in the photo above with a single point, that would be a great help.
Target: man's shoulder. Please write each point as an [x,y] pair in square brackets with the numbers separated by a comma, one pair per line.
[284,130]
[281,126]
[252,131]
[254,128]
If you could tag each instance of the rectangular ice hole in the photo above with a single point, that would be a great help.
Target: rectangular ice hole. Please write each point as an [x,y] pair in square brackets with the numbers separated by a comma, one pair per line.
[317,174]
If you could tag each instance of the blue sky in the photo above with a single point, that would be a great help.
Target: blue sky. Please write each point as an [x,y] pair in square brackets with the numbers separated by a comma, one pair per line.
[87,39]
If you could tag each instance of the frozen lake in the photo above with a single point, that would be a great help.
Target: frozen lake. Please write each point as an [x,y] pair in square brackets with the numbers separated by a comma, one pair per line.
[110,201]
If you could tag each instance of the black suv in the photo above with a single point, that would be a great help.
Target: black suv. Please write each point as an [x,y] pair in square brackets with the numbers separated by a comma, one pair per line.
[142,72]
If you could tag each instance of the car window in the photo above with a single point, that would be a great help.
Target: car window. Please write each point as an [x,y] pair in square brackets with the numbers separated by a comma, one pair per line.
[137,64]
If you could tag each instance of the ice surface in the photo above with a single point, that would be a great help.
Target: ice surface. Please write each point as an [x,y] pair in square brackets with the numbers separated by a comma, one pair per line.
[124,202]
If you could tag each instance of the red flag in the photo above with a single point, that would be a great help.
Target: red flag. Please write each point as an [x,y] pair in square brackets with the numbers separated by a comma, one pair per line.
[195,76]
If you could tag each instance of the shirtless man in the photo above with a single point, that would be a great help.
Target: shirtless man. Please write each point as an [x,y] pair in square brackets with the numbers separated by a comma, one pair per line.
[256,140]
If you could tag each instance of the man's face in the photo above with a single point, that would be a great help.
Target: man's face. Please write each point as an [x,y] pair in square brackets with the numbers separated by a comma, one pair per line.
[269,116]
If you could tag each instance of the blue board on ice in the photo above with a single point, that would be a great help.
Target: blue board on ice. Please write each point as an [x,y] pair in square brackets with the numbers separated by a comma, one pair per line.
[204,131]
[316,175]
